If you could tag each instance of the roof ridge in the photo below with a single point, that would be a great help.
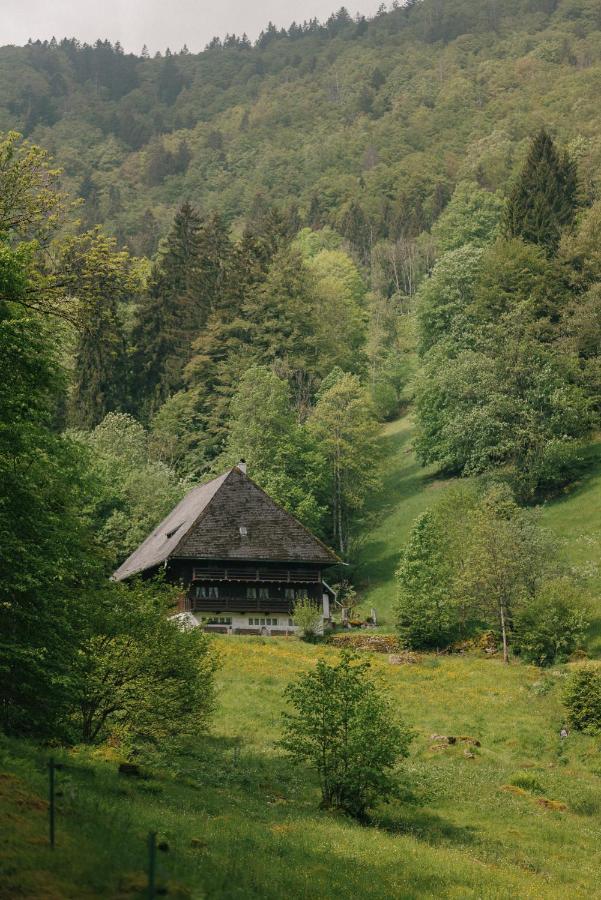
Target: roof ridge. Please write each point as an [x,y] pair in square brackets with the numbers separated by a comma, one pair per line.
[169,539]
[157,555]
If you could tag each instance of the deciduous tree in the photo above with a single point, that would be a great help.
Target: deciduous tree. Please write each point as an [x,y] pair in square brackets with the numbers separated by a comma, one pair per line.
[343,727]
[343,426]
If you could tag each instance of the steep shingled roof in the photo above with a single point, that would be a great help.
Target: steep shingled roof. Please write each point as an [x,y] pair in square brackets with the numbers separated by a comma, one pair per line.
[207,525]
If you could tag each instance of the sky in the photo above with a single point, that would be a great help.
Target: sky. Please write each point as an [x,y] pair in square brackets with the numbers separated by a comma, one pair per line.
[157,23]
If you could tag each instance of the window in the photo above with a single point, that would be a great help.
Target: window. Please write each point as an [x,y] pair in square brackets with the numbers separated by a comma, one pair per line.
[243,530]
[218,620]
[264,593]
[206,592]
[262,622]
[251,593]
[291,623]
[289,593]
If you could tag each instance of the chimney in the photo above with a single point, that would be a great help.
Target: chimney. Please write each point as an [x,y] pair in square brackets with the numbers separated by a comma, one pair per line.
[242,465]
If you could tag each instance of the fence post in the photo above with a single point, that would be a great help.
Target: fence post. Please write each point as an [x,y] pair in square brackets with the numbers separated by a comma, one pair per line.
[51,770]
[152,849]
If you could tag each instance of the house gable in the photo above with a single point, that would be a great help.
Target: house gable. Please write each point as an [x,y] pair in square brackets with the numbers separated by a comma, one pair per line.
[243,523]
[230,517]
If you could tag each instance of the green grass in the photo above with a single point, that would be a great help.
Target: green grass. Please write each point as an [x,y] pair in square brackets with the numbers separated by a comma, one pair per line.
[519,816]
[408,490]
[575,518]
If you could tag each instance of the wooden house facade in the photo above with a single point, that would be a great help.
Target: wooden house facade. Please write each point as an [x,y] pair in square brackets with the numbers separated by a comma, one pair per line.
[242,561]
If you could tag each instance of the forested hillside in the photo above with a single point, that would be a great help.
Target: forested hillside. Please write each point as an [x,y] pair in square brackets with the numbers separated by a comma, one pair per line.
[366,125]
[365,256]
[266,251]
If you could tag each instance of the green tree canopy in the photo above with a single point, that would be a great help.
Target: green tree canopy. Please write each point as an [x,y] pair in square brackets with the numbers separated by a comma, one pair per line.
[343,427]
[544,200]
[472,216]
[343,727]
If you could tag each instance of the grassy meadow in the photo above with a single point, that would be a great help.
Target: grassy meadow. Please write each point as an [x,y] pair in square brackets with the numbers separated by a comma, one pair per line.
[408,489]
[517,816]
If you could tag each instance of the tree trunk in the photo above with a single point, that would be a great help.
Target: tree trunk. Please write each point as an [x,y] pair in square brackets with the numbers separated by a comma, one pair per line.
[504,634]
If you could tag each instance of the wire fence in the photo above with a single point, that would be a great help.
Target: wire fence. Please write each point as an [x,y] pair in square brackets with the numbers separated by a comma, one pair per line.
[151,841]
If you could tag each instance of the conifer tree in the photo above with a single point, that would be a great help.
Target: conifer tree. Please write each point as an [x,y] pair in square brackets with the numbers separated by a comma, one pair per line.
[101,279]
[166,316]
[190,280]
[215,265]
[281,314]
[544,200]
[170,81]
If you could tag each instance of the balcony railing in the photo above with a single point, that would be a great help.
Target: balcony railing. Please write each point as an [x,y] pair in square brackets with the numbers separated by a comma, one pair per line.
[237,604]
[289,576]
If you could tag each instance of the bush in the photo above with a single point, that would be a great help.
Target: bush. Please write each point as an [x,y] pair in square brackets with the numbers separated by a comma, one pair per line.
[582,698]
[345,730]
[551,625]
[307,616]
[140,675]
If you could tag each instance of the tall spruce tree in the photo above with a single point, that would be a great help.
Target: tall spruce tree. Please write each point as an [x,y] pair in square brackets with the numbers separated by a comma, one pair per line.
[215,267]
[166,315]
[544,201]
[281,313]
[189,281]
[101,278]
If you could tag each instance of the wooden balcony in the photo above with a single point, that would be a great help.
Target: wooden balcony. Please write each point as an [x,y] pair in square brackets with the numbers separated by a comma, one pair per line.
[238,604]
[286,576]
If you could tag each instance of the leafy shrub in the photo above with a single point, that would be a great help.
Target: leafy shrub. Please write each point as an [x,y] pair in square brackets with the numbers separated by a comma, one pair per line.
[307,616]
[344,728]
[582,698]
[542,687]
[551,625]
[140,675]
[385,399]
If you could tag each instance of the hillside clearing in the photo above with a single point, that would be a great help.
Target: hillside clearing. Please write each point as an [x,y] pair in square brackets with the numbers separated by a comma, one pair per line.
[408,489]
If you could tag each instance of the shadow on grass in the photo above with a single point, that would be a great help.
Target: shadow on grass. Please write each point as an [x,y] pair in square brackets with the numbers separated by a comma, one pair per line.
[589,469]
[374,567]
[428,827]
[398,480]
[252,828]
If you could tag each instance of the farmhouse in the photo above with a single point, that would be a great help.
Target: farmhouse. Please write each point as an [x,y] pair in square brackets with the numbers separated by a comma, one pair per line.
[241,559]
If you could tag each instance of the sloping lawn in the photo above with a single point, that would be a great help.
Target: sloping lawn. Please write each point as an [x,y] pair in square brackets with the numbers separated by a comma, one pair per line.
[517,816]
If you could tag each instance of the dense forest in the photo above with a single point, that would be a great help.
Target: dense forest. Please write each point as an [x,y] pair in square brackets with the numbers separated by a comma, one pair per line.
[265,252]
[363,125]
[363,255]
